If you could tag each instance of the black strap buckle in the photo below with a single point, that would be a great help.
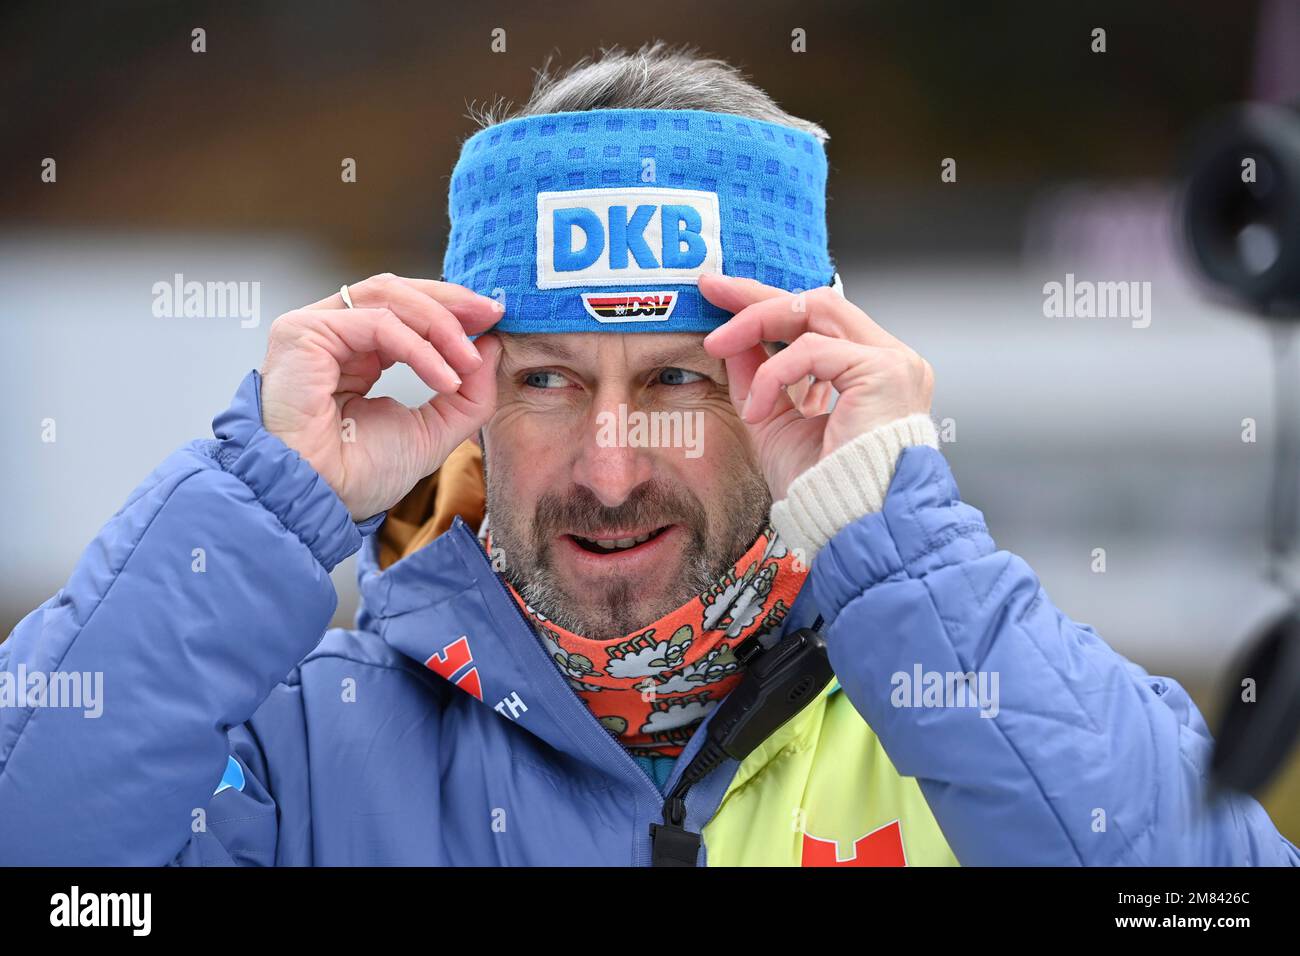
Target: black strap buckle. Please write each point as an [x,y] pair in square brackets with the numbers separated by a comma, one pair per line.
[673,846]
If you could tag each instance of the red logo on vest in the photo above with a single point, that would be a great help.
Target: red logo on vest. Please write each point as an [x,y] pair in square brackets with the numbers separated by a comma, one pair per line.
[881,847]
[452,658]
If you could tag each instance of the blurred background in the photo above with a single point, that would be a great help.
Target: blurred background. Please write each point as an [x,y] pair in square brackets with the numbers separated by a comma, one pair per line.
[1070,434]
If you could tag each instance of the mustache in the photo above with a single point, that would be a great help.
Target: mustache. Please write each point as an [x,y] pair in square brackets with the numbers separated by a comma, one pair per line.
[651,505]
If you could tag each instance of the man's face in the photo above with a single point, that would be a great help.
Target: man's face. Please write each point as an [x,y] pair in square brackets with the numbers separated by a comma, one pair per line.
[572,491]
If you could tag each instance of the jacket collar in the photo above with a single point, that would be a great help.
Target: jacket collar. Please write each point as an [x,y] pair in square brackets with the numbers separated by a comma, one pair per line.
[445,607]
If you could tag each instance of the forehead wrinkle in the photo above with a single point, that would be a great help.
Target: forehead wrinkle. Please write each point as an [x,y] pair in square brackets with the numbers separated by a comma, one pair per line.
[541,346]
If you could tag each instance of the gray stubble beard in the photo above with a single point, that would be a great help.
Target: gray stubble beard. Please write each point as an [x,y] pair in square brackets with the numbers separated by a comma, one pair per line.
[528,567]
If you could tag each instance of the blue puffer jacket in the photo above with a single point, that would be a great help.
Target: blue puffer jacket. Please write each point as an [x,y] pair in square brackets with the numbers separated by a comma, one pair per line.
[363,755]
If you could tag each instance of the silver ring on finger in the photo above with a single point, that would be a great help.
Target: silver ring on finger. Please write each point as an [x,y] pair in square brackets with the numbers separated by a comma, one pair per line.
[347,296]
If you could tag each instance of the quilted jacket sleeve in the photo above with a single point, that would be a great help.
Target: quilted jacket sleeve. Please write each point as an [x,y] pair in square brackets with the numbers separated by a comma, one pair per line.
[1083,758]
[190,605]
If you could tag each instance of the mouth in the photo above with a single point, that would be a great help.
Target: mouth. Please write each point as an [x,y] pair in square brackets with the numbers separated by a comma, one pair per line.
[618,541]
[612,555]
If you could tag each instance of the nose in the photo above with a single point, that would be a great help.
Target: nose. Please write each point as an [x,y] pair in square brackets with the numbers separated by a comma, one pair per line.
[605,464]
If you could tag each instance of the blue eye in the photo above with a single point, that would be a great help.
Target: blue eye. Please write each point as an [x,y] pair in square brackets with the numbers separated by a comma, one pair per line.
[679,376]
[545,379]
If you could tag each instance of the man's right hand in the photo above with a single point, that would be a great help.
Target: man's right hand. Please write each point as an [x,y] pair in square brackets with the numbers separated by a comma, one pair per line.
[322,360]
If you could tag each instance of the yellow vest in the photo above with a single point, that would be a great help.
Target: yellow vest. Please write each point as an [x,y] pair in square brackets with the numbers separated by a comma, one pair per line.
[822,792]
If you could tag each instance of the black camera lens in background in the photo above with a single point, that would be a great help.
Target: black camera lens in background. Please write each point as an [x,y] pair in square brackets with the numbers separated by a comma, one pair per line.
[1241,207]
[1261,710]
[1240,219]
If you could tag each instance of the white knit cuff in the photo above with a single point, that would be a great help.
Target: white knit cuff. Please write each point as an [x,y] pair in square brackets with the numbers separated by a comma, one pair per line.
[847,484]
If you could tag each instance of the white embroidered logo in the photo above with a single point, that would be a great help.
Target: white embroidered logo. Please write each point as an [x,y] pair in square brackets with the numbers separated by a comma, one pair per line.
[627,236]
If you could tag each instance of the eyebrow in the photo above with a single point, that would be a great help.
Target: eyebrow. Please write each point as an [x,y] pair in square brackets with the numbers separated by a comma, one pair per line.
[535,346]
[676,353]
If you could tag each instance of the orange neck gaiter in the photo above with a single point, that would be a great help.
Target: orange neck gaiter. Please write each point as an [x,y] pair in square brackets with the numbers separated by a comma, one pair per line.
[651,688]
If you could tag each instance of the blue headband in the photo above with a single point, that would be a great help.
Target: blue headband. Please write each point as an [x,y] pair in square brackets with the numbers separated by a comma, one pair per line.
[605,220]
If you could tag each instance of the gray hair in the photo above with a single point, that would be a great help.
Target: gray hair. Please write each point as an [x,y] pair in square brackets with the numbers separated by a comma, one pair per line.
[655,77]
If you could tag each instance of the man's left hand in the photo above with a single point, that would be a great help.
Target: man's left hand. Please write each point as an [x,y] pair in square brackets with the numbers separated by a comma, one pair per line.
[878,378]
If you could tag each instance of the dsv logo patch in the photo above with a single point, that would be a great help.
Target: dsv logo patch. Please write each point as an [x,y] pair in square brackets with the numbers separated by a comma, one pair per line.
[629,306]
[626,236]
